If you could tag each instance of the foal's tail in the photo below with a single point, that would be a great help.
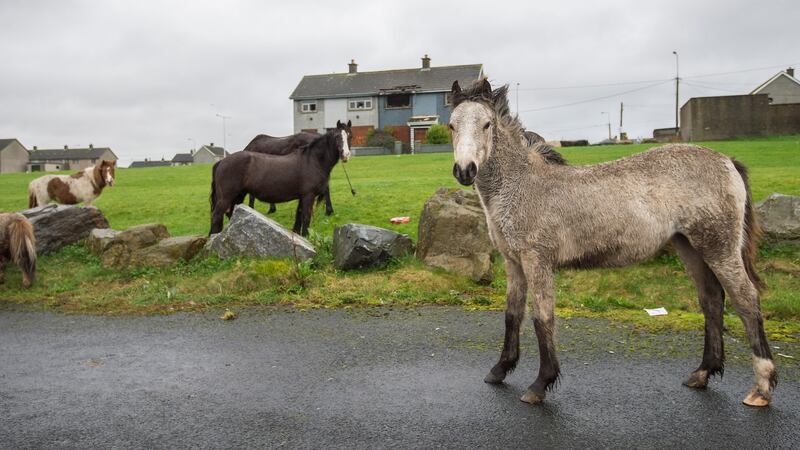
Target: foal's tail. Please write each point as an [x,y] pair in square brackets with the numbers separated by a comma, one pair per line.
[213,197]
[752,232]
[22,246]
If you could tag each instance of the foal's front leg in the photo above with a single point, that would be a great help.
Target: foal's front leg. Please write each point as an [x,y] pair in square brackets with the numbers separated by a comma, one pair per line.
[541,287]
[516,290]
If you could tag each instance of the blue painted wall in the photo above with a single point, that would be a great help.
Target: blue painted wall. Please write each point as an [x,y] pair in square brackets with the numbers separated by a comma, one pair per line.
[421,105]
[424,104]
[392,116]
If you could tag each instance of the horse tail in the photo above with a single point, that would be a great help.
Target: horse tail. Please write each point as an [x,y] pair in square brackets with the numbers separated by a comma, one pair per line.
[751,230]
[213,197]
[31,199]
[22,246]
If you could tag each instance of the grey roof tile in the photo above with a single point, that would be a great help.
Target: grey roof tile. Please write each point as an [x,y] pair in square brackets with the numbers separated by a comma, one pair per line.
[435,79]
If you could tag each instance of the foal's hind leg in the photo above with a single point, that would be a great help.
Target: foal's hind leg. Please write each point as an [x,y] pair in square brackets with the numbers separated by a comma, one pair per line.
[744,298]
[516,290]
[540,279]
[272,208]
[712,300]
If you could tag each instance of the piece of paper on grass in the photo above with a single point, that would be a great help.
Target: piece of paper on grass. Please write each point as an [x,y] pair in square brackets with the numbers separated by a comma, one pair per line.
[657,311]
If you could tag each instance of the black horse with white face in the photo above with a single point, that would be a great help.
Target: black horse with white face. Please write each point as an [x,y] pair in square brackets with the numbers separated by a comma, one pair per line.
[301,175]
[272,145]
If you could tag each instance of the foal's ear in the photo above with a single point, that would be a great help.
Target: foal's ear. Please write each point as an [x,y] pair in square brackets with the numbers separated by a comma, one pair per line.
[456,89]
[486,87]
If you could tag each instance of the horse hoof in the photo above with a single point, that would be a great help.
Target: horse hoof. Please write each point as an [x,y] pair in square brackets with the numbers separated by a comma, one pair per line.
[531,397]
[491,378]
[329,213]
[697,380]
[756,399]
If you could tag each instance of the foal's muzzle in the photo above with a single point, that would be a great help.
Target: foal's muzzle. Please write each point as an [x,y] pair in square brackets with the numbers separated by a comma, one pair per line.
[465,176]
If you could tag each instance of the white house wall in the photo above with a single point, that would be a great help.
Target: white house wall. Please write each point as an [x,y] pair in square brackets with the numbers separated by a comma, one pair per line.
[335,109]
[307,121]
[364,117]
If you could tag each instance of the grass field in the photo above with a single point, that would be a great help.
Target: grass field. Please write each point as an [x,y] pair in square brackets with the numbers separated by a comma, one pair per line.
[387,186]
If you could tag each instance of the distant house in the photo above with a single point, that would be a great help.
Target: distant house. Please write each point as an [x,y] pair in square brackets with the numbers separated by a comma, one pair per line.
[408,100]
[782,88]
[147,163]
[13,156]
[209,154]
[183,159]
[67,158]
[773,108]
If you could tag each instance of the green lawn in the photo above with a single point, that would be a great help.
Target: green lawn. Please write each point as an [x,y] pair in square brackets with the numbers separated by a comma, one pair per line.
[387,186]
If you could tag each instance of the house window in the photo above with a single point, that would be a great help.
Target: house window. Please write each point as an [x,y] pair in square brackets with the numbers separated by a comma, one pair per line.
[355,105]
[448,99]
[308,107]
[398,101]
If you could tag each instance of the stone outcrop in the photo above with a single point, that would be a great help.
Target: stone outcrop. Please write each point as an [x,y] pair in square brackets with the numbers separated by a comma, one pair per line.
[360,246]
[779,216]
[56,226]
[453,234]
[250,233]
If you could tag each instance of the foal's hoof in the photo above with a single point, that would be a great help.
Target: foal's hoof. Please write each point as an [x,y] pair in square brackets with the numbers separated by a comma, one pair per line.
[697,380]
[755,398]
[329,212]
[531,397]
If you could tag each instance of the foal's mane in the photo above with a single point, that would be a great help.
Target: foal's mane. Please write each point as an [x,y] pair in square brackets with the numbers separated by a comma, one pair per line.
[497,99]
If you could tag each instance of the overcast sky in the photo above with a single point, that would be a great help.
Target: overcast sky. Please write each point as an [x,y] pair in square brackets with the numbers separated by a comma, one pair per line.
[148,78]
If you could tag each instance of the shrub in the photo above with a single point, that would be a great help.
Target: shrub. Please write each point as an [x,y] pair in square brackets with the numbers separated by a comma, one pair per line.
[438,134]
[381,138]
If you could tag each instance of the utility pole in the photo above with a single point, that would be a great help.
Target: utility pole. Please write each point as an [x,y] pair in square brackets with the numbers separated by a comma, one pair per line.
[677,85]
[224,133]
[621,107]
[517,98]
[609,123]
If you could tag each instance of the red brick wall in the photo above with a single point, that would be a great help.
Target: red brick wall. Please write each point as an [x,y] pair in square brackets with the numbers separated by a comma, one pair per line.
[401,133]
[360,134]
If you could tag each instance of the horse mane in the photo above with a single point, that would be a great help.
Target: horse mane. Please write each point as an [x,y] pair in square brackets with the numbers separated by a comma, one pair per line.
[308,148]
[497,99]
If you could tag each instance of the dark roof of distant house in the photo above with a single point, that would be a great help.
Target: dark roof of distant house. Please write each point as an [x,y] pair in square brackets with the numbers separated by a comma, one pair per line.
[182,158]
[69,153]
[6,142]
[143,164]
[218,151]
[434,79]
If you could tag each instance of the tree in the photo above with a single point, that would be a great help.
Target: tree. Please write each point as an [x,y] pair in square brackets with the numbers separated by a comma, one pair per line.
[381,138]
[438,134]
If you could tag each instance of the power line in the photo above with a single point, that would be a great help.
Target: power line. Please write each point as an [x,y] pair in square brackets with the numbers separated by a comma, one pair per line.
[740,71]
[579,102]
[621,83]
[702,86]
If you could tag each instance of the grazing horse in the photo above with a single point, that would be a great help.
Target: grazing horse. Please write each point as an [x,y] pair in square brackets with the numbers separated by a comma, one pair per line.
[83,186]
[18,244]
[543,215]
[271,145]
[301,175]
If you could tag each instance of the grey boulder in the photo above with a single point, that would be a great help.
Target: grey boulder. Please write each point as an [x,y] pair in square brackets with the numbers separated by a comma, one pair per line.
[453,234]
[359,246]
[56,226]
[249,233]
[780,217]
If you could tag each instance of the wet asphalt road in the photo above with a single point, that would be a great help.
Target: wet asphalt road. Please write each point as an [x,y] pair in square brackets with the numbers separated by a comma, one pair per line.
[364,379]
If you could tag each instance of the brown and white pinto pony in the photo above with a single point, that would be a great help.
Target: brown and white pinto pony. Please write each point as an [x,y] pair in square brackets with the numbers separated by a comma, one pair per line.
[83,186]
[18,244]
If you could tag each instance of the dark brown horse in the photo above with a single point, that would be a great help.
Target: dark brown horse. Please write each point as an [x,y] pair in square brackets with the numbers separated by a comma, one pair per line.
[301,175]
[271,145]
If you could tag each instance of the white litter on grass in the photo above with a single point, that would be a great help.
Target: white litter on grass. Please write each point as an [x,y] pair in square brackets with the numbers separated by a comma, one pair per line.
[786,356]
[657,311]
